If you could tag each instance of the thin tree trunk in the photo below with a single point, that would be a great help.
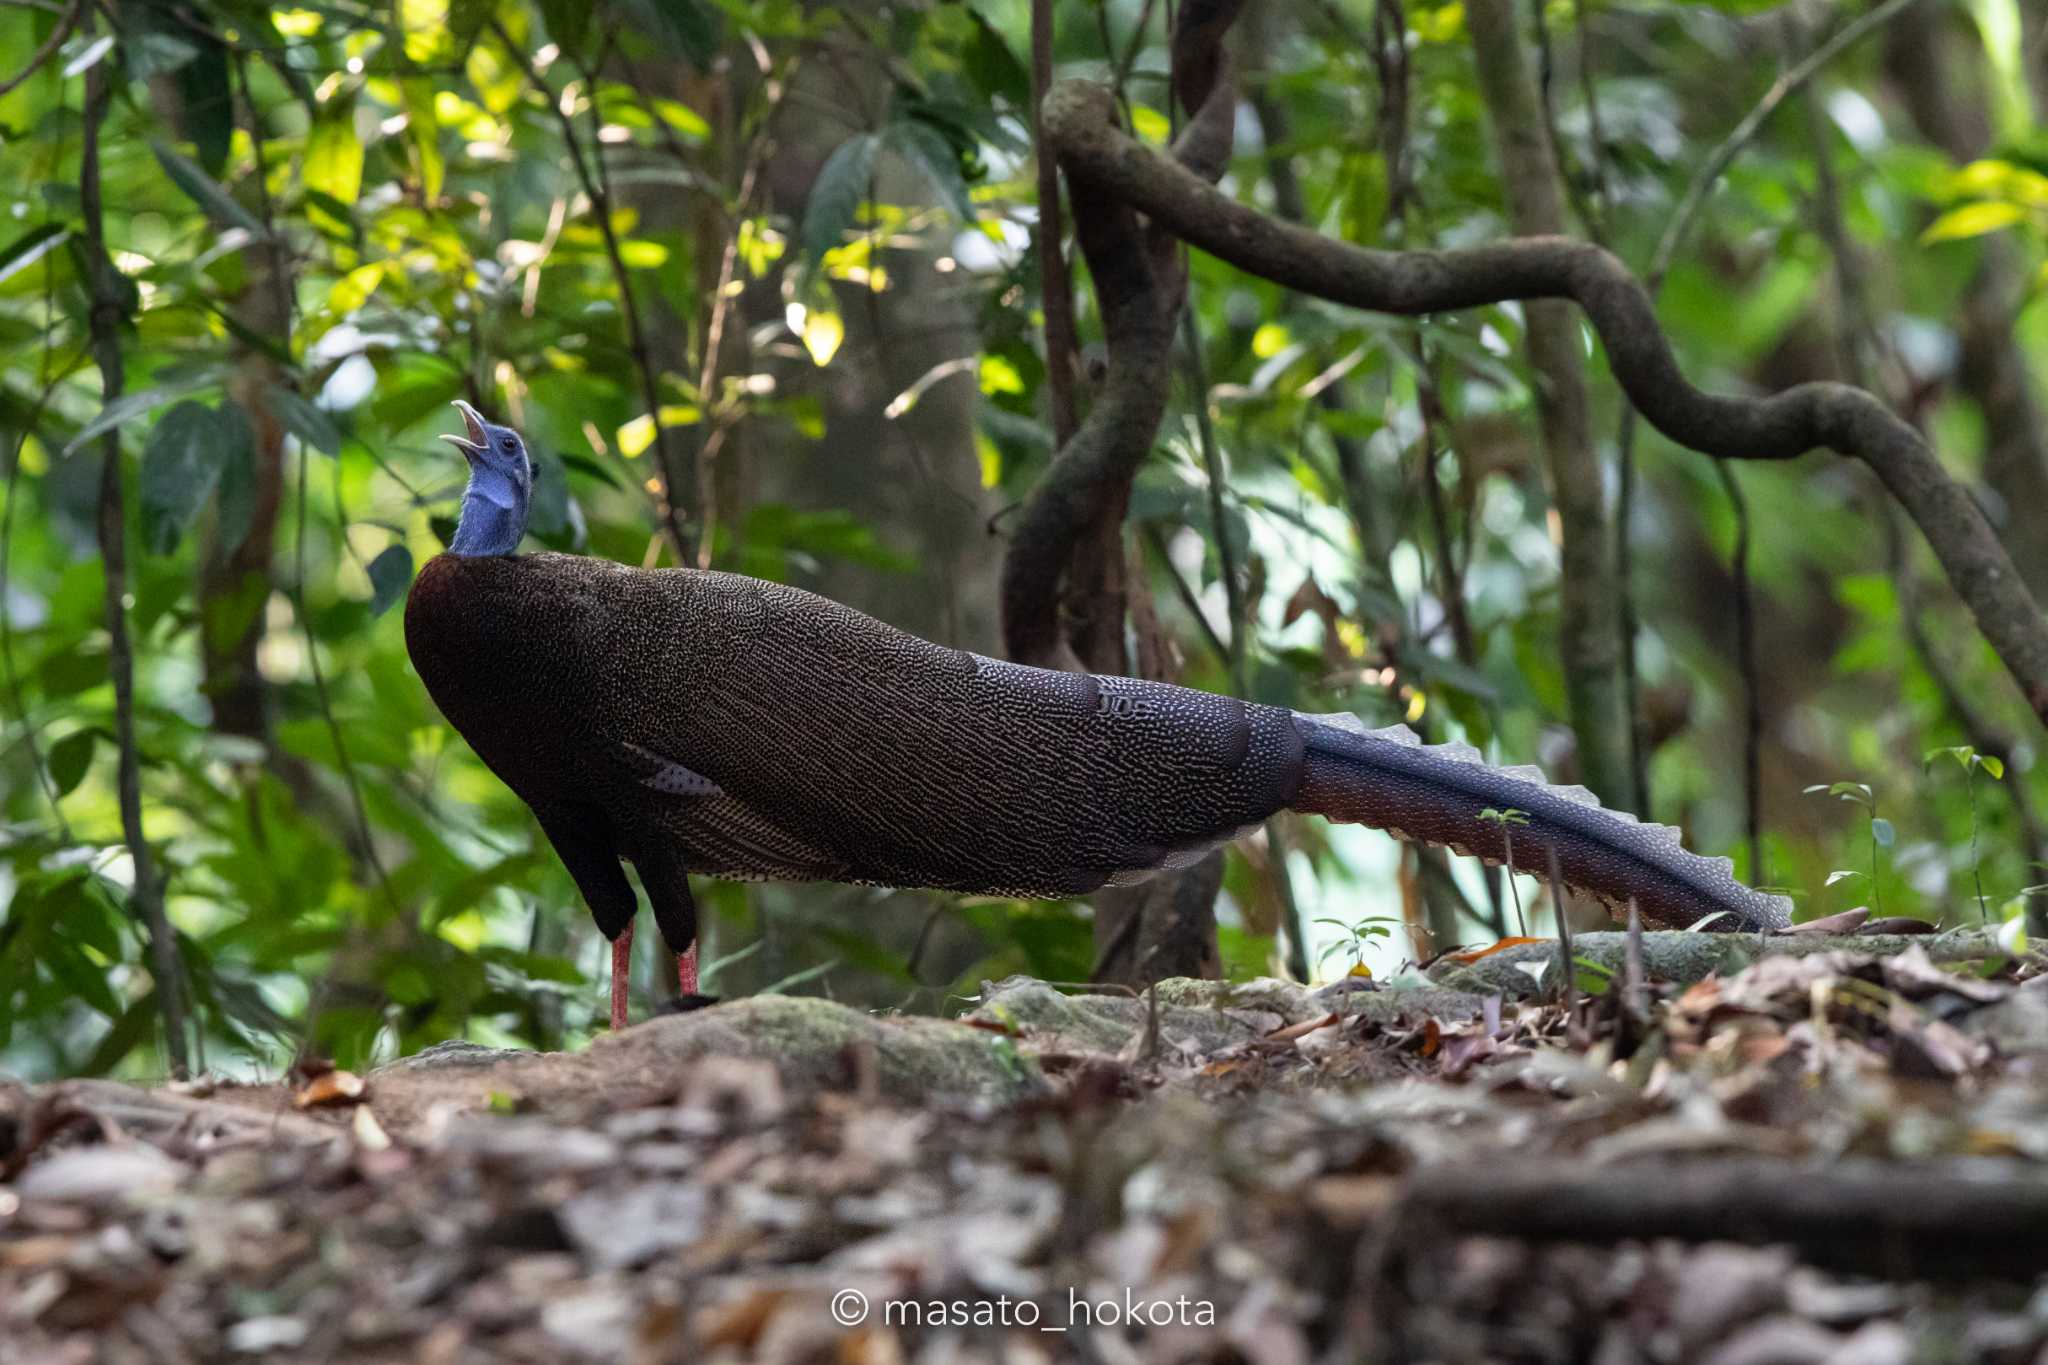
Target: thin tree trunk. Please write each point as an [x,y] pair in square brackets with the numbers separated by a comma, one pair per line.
[145,899]
[1589,629]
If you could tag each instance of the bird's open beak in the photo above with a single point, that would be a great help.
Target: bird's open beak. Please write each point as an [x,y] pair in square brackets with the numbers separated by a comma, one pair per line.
[471,445]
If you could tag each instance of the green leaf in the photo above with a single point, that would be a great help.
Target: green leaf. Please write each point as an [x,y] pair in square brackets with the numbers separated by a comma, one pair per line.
[68,965]
[2012,935]
[334,155]
[89,57]
[927,149]
[302,419]
[129,296]
[1857,792]
[206,107]
[1881,830]
[549,516]
[423,128]
[236,499]
[134,404]
[583,464]
[795,979]
[681,26]
[991,67]
[687,122]
[67,672]
[1972,220]
[202,189]
[135,1027]
[69,759]
[180,466]
[567,20]
[25,250]
[390,576]
[837,194]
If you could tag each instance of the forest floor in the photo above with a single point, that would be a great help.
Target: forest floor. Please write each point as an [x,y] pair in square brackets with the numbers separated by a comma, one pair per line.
[1834,1153]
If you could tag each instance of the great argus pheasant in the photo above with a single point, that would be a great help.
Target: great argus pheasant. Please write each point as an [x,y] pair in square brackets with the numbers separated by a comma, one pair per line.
[687,721]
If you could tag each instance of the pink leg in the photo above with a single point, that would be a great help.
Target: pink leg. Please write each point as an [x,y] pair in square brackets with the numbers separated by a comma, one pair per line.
[686,969]
[622,975]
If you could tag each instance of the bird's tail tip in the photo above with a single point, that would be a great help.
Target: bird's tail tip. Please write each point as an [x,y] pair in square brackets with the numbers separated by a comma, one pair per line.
[1447,794]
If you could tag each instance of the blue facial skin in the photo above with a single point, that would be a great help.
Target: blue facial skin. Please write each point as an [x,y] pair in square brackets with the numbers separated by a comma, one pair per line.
[500,492]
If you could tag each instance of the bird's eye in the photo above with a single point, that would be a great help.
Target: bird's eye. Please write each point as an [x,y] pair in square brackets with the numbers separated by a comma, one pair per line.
[505,444]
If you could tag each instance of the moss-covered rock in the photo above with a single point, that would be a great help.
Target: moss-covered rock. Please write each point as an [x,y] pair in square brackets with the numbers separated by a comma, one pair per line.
[817,1044]
[1196,1017]
[1049,1020]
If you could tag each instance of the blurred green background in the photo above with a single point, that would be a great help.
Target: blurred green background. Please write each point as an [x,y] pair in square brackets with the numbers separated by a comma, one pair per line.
[328,221]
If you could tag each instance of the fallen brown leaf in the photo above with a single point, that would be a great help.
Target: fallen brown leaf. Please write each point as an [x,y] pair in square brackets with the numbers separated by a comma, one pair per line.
[1300,1030]
[330,1087]
[1467,959]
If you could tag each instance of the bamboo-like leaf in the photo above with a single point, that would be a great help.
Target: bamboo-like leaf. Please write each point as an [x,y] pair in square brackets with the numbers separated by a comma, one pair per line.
[302,419]
[180,466]
[69,759]
[1972,220]
[837,194]
[992,67]
[202,189]
[927,149]
[85,60]
[25,250]
[390,576]
[334,157]
[683,26]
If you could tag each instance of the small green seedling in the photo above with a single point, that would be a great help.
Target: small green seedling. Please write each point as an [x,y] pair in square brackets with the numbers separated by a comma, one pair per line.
[1971,760]
[1507,820]
[1357,937]
[1882,834]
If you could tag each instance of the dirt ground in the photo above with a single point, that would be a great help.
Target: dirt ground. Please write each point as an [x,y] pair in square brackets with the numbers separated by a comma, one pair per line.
[1831,1154]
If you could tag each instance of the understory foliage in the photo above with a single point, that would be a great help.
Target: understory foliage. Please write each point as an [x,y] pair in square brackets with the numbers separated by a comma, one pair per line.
[756,282]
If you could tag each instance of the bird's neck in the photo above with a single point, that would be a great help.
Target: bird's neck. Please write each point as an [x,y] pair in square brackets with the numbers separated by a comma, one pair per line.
[488,526]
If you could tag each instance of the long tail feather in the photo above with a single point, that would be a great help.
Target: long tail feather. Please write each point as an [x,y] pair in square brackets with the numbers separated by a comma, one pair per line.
[1436,793]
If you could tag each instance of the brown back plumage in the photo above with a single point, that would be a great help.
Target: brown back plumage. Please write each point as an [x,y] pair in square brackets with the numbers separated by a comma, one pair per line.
[825,743]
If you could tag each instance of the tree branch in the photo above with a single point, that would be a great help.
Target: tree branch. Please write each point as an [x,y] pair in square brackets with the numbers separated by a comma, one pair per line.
[65,23]
[1115,168]
[1139,285]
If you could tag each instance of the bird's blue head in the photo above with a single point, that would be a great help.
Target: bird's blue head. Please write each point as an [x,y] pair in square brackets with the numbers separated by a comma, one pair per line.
[500,492]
